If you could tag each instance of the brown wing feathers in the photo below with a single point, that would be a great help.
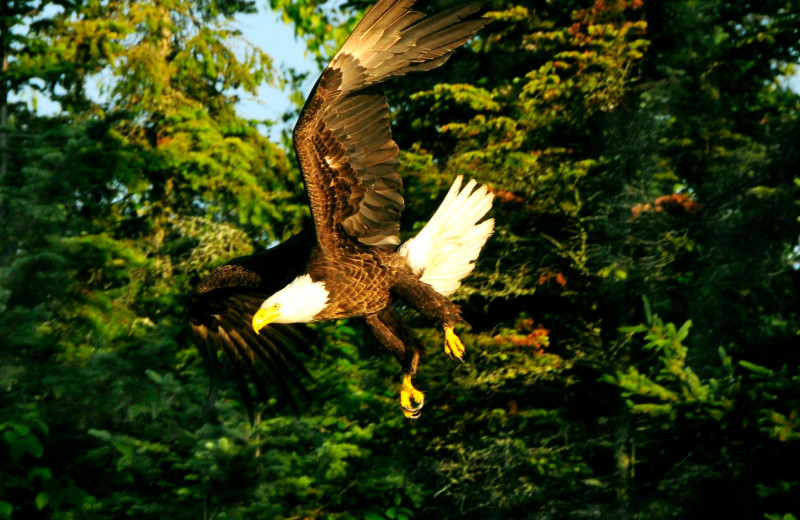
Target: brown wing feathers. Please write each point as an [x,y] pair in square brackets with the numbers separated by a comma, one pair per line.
[396,41]
[349,161]
[220,324]
[221,310]
[343,139]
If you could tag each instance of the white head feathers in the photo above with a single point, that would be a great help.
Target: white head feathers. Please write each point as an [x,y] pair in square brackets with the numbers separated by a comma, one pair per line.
[298,302]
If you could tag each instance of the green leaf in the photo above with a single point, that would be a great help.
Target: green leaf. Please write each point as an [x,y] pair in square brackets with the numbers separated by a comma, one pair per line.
[154,376]
[633,329]
[648,314]
[103,435]
[21,429]
[6,509]
[28,444]
[757,369]
[40,473]
[42,499]
[684,331]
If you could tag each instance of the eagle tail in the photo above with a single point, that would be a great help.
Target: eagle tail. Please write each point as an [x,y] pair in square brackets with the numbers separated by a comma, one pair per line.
[444,252]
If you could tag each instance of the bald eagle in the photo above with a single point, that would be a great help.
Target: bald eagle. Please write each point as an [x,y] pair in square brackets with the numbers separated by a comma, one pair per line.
[352,263]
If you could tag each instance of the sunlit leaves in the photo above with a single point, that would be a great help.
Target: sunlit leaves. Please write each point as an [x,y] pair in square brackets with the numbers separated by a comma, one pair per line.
[632,149]
[462,95]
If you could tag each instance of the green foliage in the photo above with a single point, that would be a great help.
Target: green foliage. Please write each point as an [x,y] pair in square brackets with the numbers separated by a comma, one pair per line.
[324,30]
[635,150]
[27,483]
[730,408]
[673,383]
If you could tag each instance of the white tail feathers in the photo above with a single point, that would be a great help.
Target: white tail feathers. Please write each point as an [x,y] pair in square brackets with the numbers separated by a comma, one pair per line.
[444,252]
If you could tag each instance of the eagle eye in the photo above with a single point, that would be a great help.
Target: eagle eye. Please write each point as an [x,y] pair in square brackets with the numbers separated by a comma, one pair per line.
[276,307]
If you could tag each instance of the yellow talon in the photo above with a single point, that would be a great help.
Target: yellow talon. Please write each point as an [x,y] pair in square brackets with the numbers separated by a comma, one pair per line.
[407,394]
[452,345]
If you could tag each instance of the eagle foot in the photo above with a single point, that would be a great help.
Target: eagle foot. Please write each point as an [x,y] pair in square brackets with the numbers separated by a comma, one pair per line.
[409,394]
[452,345]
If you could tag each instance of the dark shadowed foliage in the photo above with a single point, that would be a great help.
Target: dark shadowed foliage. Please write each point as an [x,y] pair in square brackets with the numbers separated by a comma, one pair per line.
[632,350]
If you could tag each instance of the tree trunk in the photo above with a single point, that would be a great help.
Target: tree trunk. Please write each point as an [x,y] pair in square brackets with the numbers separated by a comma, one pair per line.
[624,452]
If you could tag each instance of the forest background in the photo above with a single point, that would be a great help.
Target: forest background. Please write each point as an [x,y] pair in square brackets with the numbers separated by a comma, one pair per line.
[634,344]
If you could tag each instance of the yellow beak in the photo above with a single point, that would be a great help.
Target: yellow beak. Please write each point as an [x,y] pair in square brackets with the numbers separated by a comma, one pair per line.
[264,317]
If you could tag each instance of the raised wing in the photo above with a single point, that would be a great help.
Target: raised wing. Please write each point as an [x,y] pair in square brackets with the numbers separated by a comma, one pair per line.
[343,140]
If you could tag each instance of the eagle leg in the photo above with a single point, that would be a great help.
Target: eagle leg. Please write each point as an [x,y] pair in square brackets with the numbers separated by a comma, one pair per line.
[388,329]
[452,345]
[424,298]
[410,395]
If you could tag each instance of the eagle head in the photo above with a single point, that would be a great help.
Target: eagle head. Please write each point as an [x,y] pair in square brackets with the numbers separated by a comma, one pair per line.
[299,302]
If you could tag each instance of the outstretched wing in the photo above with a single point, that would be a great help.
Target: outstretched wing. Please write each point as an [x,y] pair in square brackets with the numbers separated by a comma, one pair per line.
[343,140]
[220,323]
[221,311]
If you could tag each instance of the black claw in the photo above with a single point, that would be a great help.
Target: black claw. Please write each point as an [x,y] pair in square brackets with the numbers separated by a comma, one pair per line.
[413,410]
[415,415]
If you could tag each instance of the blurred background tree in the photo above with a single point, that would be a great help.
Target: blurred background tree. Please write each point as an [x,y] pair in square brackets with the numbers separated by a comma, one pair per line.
[633,350]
